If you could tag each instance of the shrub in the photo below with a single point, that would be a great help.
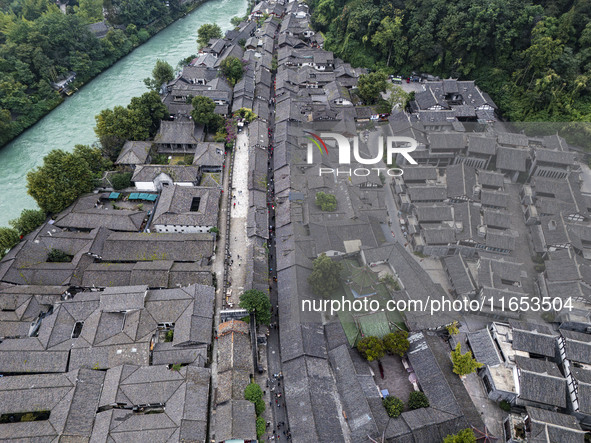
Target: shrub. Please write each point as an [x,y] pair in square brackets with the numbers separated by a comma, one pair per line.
[169,336]
[417,399]
[326,202]
[453,328]
[464,436]
[259,407]
[505,406]
[58,256]
[253,392]
[121,181]
[393,405]
[261,426]
[396,342]
[371,348]
[177,367]
[8,239]
[29,220]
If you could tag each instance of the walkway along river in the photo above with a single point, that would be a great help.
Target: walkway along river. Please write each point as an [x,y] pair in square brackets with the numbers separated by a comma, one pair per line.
[73,121]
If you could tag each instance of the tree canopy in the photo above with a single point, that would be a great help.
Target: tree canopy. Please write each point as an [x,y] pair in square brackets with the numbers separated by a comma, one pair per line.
[8,239]
[396,342]
[325,201]
[532,56]
[138,121]
[203,113]
[370,85]
[464,364]
[253,392]
[162,73]
[417,399]
[28,221]
[393,405]
[371,348]
[464,436]
[206,32]
[257,302]
[60,180]
[39,45]
[326,276]
[233,69]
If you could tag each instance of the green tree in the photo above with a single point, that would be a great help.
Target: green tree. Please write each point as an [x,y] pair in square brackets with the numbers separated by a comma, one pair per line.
[203,112]
[464,436]
[370,85]
[59,181]
[94,157]
[390,38]
[257,302]
[233,69]
[8,239]
[28,221]
[371,348]
[417,399]
[58,256]
[259,406]
[90,11]
[206,32]
[393,405]
[453,328]
[397,98]
[162,73]
[261,427]
[253,392]
[463,363]
[325,201]
[326,276]
[396,342]
[121,180]
[150,111]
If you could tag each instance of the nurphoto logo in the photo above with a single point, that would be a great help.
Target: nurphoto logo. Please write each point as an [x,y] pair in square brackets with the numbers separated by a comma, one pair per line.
[394,145]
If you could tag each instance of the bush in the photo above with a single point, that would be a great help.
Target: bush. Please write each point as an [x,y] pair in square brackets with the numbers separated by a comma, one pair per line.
[417,399]
[58,256]
[121,181]
[8,239]
[261,426]
[29,220]
[464,436]
[396,342]
[326,202]
[371,348]
[169,336]
[253,392]
[453,328]
[160,159]
[177,367]
[505,406]
[393,405]
[259,407]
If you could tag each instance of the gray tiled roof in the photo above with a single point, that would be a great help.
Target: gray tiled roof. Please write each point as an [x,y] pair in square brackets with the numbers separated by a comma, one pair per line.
[174,206]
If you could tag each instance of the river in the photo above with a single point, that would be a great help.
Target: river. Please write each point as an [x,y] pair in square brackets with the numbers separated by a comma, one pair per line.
[73,121]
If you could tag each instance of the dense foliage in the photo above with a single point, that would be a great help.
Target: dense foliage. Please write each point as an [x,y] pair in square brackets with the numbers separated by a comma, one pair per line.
[417,399]
[532,56]
[464,436]
[62,178]
[326,276]
[204,113]
[162,73]
[371,348]
[58,256]
[39,45]
[233,69]
[326,202]
[393,405]
[257,302]
[206,32]
[253,392]
[464,364]
[28,221]
[8,239]
[138,121]
[396,342]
